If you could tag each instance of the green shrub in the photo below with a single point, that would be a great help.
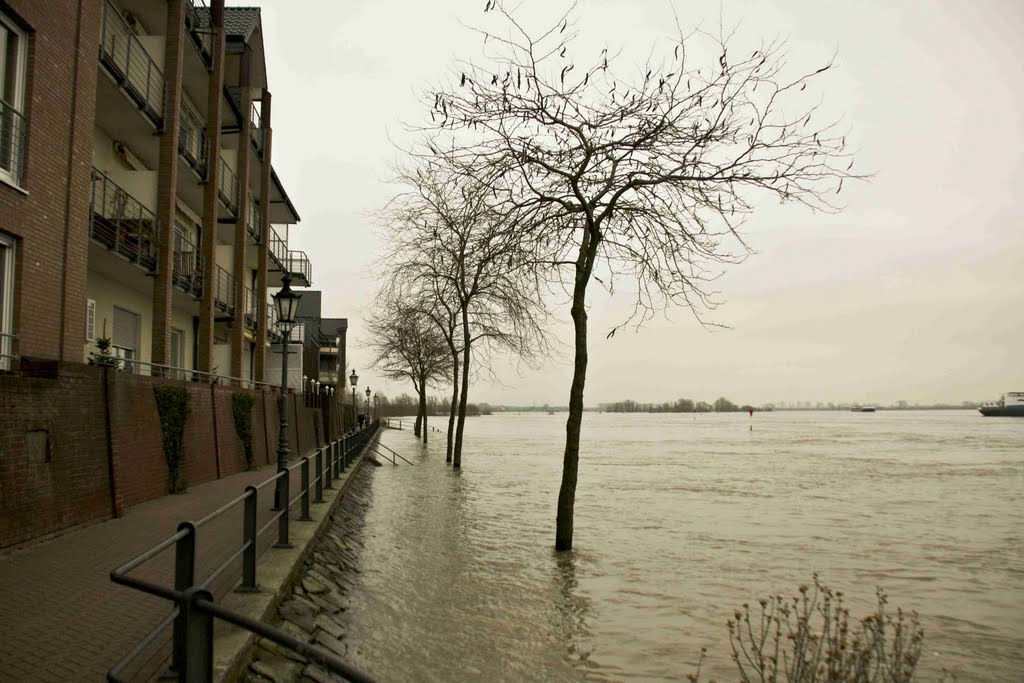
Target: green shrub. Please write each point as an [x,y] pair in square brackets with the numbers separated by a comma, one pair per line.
[172,405]
[241,409]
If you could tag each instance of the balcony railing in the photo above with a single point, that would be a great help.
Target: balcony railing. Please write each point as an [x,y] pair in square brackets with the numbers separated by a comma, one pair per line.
[273,332]
[120,223]
[227,187]
[188,266]
[200,31]
[251,320]
[298,264]
[13,127]
[130,65]
[254,220]
[224,292]
[256,127]
[192,139]
[278,249]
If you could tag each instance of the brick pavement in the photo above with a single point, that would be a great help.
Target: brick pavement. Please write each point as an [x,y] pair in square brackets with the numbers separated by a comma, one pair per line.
[63,619]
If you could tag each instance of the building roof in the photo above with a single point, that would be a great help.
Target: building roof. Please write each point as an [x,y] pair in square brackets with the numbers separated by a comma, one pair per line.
[241,21]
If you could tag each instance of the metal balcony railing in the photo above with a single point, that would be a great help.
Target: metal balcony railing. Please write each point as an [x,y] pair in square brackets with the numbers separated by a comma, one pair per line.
[130,65]
[192,139]
[251,319]
[278,249]
[200,31]
[224,291]
[188,266]
[254,220]
[13,127]
[273,332]
[298,264]
[256,127]
[227,187]
[120,223]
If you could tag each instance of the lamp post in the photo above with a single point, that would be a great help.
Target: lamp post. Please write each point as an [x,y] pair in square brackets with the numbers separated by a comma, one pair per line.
[353,380]
[376,412]
[367,413]
[286,302]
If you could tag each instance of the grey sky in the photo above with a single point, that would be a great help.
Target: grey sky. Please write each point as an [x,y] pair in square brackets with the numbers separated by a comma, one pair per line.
[914,292]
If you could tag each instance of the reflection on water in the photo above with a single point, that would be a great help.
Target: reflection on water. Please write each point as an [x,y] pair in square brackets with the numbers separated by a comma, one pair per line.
[680,520]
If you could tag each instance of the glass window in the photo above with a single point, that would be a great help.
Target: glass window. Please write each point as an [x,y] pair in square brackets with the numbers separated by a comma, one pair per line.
[13,50]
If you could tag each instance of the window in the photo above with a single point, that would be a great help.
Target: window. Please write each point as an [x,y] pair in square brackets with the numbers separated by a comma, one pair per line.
[90,319]
[125,342]
[6,302]
[13,48]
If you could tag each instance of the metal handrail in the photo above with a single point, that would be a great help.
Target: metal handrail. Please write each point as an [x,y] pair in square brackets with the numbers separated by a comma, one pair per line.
[278,249]
[251,309]
[197,21]
[298,264]
[256,127]
[193,633]
[175,372]
[227,187]
[121,223]
[130,64]
[187,269]
[13,131]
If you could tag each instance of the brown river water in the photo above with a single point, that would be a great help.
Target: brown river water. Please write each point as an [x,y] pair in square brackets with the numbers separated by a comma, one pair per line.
[679,520]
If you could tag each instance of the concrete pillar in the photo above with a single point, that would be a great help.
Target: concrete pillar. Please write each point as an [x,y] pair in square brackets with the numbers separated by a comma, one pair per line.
[260,358]
[214,111]
[167,181]
[241,236]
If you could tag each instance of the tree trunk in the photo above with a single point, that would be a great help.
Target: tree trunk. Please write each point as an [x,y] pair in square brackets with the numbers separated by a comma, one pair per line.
[454,406]
[464,395]
[423,408]
[573,425]
[419,412]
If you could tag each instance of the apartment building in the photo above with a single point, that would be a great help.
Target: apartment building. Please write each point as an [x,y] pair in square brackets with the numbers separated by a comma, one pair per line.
[138,198]
[323,342]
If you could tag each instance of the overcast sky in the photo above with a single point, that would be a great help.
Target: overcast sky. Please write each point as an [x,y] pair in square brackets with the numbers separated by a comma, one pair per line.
[914,292]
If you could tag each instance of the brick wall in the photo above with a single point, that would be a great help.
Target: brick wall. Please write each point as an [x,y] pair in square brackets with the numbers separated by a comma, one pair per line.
[49,220]
[53,454]
[58,468]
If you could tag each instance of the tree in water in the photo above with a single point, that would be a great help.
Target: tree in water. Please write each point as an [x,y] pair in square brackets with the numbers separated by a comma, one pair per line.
[642,175]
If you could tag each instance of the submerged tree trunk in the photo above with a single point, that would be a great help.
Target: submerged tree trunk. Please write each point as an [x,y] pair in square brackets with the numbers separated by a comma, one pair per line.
[464,394]
[423,408]
[419,412]
[573,425]
[453,409]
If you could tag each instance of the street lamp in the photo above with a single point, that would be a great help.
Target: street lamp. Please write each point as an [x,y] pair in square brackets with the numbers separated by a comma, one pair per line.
[353,380]
[286,302]
[376,412]
[367,413]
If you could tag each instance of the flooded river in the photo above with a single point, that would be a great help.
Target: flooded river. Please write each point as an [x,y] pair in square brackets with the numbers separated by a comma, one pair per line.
[679,520]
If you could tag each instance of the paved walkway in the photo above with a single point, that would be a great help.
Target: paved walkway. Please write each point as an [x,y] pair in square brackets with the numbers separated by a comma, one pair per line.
[64,620]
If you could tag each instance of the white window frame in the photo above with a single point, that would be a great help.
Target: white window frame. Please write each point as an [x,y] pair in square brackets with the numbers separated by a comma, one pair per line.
[7,254]
[18,100]
[90,320]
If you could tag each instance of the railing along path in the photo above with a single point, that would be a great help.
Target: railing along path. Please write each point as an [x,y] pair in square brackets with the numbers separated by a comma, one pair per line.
[194,607]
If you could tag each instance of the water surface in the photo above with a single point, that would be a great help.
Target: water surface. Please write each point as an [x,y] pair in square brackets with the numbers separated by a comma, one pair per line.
[679,520]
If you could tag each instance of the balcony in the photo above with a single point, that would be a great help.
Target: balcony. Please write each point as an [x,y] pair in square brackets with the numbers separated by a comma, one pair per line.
[13,127]
[278,250]
[251,318]
[227,187]
[256,128]
[299,268]
[273,332]
[199,29]
[121,224]
[187,272]
[224,292]
[192,139]
[254,220]
[130,65]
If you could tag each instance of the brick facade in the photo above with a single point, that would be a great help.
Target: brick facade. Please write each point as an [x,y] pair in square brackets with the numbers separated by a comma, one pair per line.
[86,445]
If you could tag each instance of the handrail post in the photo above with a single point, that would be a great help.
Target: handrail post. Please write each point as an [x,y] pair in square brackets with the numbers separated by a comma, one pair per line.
[329,472]
[184,578]
[304,478]
[318,485]
[199,634]
[282,520]
[339,466]
[248,584]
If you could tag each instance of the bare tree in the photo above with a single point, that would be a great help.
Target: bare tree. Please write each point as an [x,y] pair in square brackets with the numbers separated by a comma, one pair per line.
[643,176]
[453,250]
[406,345]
